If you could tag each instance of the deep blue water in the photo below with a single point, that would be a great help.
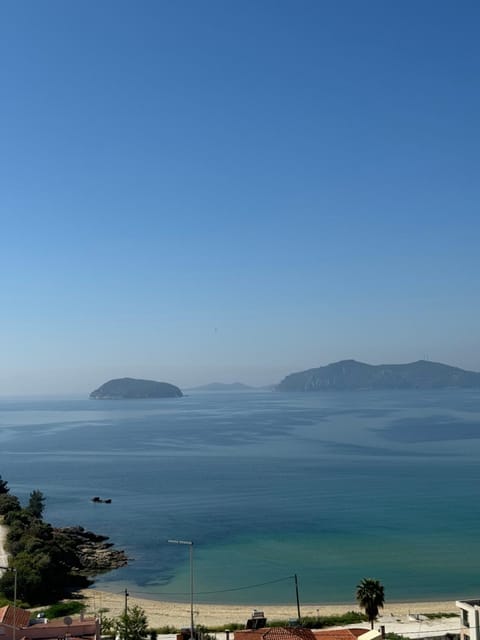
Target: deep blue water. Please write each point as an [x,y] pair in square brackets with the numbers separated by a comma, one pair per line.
[333,487]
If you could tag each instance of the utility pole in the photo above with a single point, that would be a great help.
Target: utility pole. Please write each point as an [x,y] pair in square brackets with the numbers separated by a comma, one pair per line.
[190,544]
[126,614]
[298,600]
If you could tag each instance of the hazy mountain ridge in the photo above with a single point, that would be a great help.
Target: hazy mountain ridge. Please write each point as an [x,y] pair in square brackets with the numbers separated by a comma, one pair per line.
[353,375]
[132,388]
[222,386]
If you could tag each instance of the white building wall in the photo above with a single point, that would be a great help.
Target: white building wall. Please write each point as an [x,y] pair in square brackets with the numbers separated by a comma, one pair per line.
[469,619]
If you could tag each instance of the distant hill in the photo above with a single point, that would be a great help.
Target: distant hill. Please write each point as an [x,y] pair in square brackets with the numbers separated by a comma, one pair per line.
[133,388]
[221,386]
[351,375]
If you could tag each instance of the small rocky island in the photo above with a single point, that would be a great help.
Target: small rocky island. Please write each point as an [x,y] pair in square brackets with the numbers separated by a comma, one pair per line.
[133,388]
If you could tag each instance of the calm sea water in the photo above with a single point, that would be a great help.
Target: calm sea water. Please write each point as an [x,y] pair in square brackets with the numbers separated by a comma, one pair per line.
[333,487]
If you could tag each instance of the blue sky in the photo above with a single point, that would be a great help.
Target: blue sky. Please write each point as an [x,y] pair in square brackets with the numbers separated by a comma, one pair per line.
[201,190]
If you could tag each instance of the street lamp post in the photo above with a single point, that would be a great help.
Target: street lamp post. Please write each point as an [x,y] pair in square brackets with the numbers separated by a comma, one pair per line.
[190,544]
[14,571]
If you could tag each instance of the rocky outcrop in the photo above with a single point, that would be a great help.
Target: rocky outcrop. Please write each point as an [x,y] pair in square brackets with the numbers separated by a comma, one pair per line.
[94,553]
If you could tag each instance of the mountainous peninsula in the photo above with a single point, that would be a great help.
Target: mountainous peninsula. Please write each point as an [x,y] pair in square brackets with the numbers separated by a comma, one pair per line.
[132,388]
[352,375]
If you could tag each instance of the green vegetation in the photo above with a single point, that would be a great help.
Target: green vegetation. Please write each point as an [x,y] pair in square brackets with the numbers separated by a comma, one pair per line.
[132,624]
[36,504]
[62,609]
[435,616]
[320,622]
[41,554]
[310,622]
[168,629]
[370,596]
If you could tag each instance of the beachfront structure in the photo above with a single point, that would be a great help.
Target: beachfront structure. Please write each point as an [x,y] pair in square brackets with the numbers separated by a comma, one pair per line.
[299,633]
[83,629]
[16,623]
[348,634]
[275,633]
[469,619]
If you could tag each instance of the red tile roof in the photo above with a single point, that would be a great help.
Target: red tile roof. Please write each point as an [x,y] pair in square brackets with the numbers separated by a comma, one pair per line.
[10,614]
[275,633]
[57,629]
[339,634]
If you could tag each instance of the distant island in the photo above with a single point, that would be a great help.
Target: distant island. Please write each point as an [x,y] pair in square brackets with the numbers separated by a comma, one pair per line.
[222,386]
[353,375]
[132,388]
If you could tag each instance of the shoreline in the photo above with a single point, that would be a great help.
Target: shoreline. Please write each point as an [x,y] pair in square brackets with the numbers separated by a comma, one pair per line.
[162,613]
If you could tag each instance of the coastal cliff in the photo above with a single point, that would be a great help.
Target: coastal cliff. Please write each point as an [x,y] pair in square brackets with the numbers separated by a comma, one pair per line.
[132,388]
[352,375]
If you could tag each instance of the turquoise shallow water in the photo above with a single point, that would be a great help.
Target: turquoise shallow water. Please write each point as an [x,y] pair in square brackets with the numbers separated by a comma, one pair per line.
[333,487]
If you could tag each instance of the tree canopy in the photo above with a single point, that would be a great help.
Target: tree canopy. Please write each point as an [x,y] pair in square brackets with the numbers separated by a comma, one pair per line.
[132,624]
[40,554]
[36,504]
[3,486]
[370,596]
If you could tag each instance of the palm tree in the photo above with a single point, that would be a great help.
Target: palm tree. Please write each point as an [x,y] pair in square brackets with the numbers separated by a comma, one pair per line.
[370,596]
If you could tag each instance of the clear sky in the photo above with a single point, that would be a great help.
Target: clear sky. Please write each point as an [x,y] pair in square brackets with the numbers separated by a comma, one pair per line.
[200,190]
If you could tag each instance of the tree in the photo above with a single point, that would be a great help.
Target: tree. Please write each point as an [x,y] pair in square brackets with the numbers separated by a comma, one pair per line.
[133,624]
[3,486]
[107,625]
[370,596]
[36,504]
[8,503]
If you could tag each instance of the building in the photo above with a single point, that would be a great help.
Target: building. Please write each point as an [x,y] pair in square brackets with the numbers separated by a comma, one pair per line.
[275,633]
[16,624]
[469,619]
[12,618]
[347,634]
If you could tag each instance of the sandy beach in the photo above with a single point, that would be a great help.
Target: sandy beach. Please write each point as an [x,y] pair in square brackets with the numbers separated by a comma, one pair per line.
[177,614]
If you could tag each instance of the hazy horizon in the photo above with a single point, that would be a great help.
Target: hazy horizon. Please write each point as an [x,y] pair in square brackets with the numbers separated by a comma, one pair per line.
[247,379]
[215,191]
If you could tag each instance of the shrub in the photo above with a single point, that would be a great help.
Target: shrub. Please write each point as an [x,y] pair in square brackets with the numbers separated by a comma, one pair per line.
[61,609]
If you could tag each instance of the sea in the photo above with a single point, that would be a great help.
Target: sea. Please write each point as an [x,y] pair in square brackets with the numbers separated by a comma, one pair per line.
[330,487]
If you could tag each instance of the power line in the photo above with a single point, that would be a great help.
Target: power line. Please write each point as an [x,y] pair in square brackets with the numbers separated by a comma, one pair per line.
[251,586]
[199,593]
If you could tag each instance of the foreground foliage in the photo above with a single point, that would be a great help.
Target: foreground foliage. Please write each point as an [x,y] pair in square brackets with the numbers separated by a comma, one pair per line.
[40,554]
[132,624]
